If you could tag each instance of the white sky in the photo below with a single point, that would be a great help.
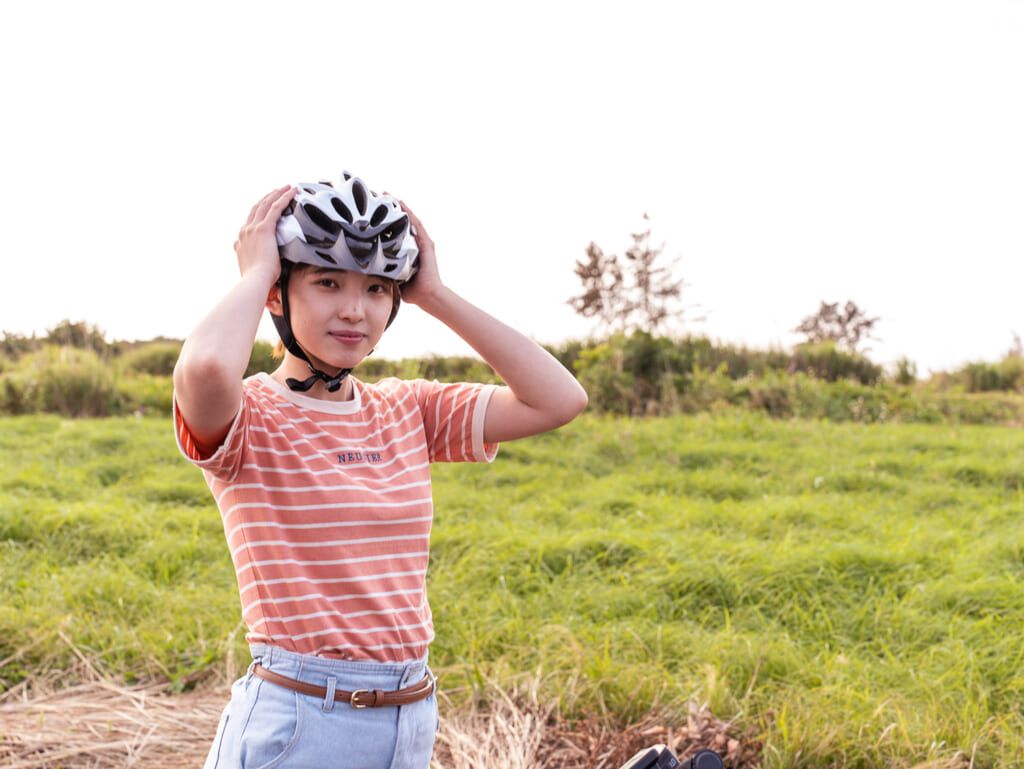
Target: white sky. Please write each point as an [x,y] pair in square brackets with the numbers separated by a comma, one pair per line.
[789,152]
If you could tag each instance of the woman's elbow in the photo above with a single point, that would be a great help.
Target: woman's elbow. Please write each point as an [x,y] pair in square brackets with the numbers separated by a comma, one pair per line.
[574,403]
[199,371]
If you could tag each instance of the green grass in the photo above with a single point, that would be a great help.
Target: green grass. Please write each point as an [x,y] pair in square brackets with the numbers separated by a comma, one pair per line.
[109,540]
[852,591]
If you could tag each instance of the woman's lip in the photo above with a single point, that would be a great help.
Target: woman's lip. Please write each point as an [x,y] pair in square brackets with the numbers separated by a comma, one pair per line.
[348,337]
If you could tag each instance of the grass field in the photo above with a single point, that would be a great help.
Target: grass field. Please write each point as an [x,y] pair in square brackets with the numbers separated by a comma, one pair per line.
[852,592]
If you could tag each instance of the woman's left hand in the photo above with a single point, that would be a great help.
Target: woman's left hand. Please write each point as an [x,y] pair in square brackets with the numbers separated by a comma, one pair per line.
[427,282]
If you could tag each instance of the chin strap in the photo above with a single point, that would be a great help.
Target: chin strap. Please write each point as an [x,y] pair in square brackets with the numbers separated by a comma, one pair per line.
[331,383]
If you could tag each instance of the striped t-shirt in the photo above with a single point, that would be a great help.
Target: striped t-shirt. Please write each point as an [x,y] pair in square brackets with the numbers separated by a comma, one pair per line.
[327,509]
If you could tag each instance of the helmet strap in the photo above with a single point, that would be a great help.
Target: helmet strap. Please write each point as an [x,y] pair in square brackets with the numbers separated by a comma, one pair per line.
[333,384]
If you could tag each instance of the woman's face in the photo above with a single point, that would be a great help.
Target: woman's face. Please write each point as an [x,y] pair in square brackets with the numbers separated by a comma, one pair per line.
[338,316]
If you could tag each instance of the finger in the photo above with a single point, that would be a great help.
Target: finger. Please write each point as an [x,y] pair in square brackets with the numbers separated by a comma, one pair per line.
[257,211]
[414,221]
[285,196]
[276,205]
[267,202]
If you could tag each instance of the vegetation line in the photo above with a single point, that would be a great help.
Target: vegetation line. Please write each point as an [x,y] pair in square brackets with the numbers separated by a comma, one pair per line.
[74,371]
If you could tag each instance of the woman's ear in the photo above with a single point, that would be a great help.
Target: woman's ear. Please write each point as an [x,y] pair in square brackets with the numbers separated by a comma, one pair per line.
[274,300]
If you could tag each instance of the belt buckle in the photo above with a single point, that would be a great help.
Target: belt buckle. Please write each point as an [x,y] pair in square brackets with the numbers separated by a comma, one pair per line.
[352,700]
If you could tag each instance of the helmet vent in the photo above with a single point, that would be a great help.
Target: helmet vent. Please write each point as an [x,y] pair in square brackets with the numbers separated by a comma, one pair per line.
[378,215]
[320,219]
[396,231]
[326,257]
[342,210]
[359,196]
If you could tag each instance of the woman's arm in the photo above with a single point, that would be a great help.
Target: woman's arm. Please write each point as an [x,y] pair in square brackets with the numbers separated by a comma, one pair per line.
[209,371]
[540,394]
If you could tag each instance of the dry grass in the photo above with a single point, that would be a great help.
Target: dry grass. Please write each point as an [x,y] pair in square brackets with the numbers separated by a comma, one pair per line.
[516,731]
[78,718]
[98,724]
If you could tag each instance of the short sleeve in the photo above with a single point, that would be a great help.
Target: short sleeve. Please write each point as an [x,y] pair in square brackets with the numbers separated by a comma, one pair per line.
[226,461]
[453,420]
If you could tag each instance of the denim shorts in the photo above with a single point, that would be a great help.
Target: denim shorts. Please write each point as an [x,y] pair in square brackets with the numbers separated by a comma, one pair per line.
[266,726]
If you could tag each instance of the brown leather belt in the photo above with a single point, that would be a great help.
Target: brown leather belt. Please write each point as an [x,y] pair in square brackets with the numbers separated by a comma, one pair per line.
[360,698]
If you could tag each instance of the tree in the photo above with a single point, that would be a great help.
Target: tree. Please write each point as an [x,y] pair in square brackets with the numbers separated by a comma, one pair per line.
[636,293]
[846,327]
[654,289]
[603,297]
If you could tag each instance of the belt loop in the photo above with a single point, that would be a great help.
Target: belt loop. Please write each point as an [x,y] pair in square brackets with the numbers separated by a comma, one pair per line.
[252,665]
[332,682]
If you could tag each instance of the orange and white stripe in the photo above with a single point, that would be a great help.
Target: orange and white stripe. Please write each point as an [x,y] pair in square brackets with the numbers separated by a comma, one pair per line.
[327,510]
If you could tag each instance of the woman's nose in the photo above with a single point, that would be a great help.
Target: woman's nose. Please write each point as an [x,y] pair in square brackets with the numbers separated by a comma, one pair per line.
[352,305]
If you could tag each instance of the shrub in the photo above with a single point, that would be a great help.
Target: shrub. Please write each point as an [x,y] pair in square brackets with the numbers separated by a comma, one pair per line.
[375,369]
[1004,376]
[568,352]
[147,394]
[1012,367]
[979,408]
[61,380]
[154,358]
[827,361]
[904,371]
[262,358]
[79,334]
[772,393]
[738,361]
[457,369]
[610,387]
[705,389]
[845,400]
[13,346]
[12,396]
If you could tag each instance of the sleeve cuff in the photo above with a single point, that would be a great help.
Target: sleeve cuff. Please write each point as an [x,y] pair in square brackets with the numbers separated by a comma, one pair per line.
[483,452]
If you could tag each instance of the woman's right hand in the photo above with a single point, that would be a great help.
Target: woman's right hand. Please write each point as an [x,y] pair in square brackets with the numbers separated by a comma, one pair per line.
[256,247]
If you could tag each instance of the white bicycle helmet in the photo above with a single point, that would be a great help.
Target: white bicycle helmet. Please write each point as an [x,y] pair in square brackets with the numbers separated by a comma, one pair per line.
[348,227]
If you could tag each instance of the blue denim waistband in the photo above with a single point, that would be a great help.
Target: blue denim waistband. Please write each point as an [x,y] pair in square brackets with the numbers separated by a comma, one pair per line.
[360,673]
